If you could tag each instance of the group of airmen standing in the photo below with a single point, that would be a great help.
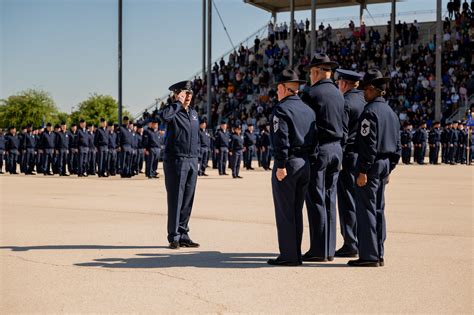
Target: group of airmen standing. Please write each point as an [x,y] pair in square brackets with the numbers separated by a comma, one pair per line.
[449,145]
[104,150]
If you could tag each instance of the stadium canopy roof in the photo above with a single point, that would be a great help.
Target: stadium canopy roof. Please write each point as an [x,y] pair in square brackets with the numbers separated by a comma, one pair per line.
[276,6]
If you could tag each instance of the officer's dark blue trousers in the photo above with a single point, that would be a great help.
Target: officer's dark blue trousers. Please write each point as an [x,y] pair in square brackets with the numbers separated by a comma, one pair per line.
[2,156]
[321,200]
[47,160]
[151,162]
[21,160]
[406,154]
[346,200]
[92,170]
[288,197]
[236,161]
[102,155]
[203,160]
[259,157]
[140,159]
[434,153]
[222,159]
[444,153]
[73,161]
[461,155]
[83,160]
[12,160]
[126,161]
[249,154]
[39,162]
[112,162]
[421,154]
[28,160]
[452,152]
[180,181]
[370,203]
[62,161]
[265,158]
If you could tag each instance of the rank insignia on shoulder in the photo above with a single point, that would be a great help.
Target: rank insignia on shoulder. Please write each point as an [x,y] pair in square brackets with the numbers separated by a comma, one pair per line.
[365,128]
[276,122]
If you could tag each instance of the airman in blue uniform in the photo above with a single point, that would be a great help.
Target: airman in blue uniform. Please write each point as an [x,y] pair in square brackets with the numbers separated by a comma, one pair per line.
[12,150]
[62,149]
[2,150]
[205,140]
[406,138]
[112,159]
[101,140]
[73,150]
[419,140]
[293,136]
[92,159]
[180,163]
[354,103]
[29,147]
[125,142]
[152,144]
[453,141]
[250,141]
[221,145]
[83,144]
[379,148]
[47,144]
[328,103]
[434,141]
[236,149]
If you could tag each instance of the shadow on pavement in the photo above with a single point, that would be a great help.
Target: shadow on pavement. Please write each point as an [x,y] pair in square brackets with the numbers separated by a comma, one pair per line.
[208,259]
[66,247]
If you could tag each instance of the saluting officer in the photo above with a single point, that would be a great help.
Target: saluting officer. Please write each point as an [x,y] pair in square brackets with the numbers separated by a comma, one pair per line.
[48,144]
[205,140]
[328,103]
[236,150]
[293,137]
[354,103]
[180,163]
[250,140]
[379,148]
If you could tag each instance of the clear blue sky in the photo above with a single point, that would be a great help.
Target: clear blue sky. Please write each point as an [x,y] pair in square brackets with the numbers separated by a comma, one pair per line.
[69,47]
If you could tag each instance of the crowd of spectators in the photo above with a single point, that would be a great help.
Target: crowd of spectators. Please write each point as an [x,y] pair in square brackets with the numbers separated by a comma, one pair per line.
[242,84]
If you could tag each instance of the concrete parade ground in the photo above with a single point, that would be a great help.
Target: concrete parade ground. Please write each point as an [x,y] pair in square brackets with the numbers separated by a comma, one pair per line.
[98,245]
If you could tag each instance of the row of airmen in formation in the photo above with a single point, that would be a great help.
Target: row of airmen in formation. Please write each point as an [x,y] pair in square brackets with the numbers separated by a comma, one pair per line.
[110,149]
[453,142]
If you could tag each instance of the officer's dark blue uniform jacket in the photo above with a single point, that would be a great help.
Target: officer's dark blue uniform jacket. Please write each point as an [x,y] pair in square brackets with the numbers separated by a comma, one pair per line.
[221,139]
[265,141]
[91,140]
[421,136]
[182,131]
[236,143]
[82,138]
[125,137]
[293,129]
[62,140]
[328,103]
[2,142]
[12,142]
[454,136]
[250,139]
[435,136]
[379,135]
[151,139]
[406,137]
[354,103]
[112,144]
[29,141]
[74,140]
[205,139]
[101,137]
[48,140]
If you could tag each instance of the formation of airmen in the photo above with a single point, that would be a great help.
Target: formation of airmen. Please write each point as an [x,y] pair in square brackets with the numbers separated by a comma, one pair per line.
[451,144]
[104,150]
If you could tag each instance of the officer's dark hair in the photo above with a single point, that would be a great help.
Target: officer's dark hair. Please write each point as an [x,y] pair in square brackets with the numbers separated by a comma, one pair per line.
[63,123]
[74,125]
[102,119]
[82,121]
[436,123]
[48,125]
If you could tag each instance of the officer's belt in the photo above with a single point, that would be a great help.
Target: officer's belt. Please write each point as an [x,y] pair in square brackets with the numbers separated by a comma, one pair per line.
[383,156]
[299,152]
[323,142]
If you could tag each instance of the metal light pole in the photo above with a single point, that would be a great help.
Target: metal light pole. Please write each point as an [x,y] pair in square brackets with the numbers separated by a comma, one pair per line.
[120,7]
[439,51]
[203,39]
[392,34]
[209,59]
[313,27]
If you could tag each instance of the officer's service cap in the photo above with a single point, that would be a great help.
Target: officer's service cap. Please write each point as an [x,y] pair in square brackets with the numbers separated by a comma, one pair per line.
[180,86]
[374,77]
[289,76]
[125,118]
[48,125]
[82,121]
[223,122]
[203,121]
[321,60]
[110,124]
[56,126]
[349,75]
[102,120]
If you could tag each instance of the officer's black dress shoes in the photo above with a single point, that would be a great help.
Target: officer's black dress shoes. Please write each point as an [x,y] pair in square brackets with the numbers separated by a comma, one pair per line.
[174,245]
[381,262]
[307,257]
[346,252]
[188,243]
[363,263]
[279,262]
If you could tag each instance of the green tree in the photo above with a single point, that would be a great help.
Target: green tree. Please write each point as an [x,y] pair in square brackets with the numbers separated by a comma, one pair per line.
[95,107]
[31,106]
